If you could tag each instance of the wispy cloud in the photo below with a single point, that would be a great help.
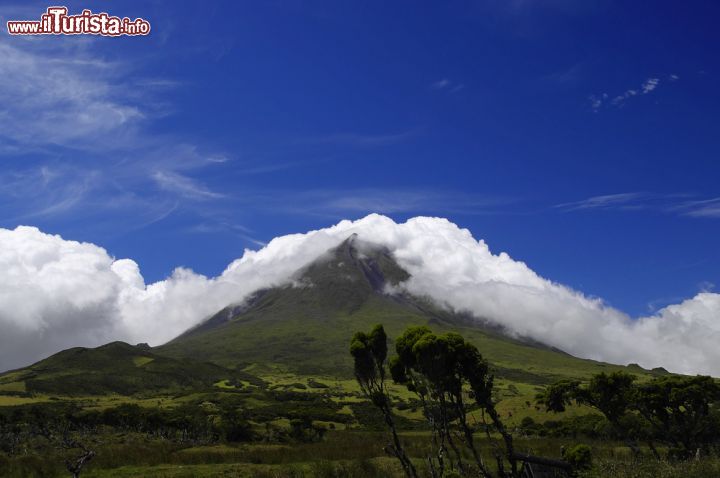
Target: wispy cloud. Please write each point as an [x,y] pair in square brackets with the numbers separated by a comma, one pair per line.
[76,143]
[448,85]
[567,76]
[603,100]
[701,208]
[677,204]
[440,84]
[343,202]
[183,185]
[649,85]
[224,226]
[70,99]
[44,191]
[606,201]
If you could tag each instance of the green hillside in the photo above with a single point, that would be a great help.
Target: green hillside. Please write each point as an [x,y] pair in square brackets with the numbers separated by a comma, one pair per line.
[117,368]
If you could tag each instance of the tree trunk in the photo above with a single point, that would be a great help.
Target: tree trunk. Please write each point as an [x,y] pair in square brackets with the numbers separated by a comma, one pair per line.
[469,439]
[76,467]
[399,451]
[507,438]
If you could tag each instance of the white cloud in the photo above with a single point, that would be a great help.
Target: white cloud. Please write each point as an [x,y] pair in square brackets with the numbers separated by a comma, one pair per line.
[621,98]
[59,96]
[343,202]
[709,208]
[183,185]
[56,293]
[447,84]
[440,84]
[648,86]
[680,204]
[596,101]
[606,201]
[73,128]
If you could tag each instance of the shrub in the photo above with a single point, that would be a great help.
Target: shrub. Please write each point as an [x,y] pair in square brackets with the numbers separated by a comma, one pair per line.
[580,456]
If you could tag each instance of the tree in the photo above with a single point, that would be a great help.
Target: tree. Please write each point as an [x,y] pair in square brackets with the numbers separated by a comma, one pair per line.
[75,466]
[446,373]
[234,427]
[451,380]
[369,353]
[613,395]
[683,410]
[676,410]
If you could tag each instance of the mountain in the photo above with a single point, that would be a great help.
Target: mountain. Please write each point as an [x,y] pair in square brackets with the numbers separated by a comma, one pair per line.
[299,331]
[305,327]
[117,368]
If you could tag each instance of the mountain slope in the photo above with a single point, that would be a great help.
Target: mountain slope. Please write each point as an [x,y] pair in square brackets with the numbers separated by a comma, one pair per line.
[305,328]
[116,367]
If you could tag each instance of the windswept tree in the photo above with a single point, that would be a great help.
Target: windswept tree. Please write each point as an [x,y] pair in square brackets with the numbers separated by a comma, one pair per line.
[612,394]
[679,411]
[454,384]
[684,410]
[369,353]
[448,374]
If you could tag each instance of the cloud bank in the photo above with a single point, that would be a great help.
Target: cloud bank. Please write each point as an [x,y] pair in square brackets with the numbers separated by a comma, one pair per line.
[56,293]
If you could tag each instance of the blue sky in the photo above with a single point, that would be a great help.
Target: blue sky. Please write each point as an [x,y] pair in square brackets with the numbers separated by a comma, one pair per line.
[581,139]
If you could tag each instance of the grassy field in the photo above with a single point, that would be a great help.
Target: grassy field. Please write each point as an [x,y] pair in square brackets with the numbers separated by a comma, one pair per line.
[273,395]
[341,454]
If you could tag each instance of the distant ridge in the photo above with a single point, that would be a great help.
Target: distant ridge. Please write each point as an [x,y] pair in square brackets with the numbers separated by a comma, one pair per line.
[116,367]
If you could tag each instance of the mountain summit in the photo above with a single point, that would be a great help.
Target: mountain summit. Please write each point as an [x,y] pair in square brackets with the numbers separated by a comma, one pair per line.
[305,326]
[307,322]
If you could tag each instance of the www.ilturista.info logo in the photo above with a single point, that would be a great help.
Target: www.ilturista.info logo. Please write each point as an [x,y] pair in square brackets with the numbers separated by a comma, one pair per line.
[56,21]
